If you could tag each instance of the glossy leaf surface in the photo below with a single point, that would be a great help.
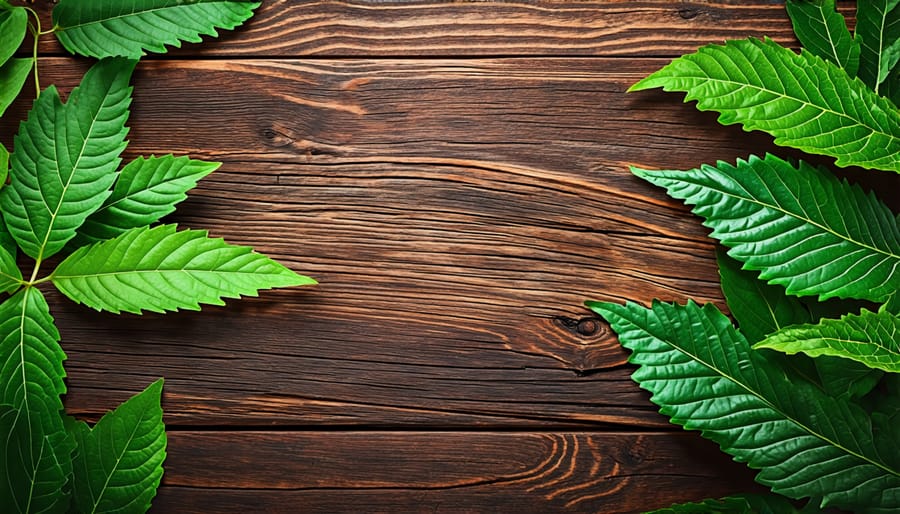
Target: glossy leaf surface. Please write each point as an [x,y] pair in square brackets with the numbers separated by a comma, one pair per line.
[802,100]
[703,374]
[128,28]
[768,213]
[162,269]
[823,31]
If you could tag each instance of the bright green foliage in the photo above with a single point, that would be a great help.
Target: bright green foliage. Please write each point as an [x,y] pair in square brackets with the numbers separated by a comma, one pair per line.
[65,159]
[762,309]
[704,375]
[118,463]
[799,99]
[10,275]
[738,504]
[13,24]
[36,458]
[36,452]
[31,361]
[759,308]
[4,165]
[823,31]
[13,75]
[107,28]
[869,337]
[878,28]
[160,268]
[766,211]
[146,190]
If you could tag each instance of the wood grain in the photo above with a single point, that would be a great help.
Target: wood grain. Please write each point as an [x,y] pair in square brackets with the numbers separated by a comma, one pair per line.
[457,217]
[455,174]
[367,28]
[440,472]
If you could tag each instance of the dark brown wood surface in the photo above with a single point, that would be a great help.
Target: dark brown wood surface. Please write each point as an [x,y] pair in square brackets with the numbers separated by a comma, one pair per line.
[456,177]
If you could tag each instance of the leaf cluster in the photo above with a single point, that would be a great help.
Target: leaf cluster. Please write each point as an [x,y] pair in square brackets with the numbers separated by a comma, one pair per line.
[66,198]
[805,389]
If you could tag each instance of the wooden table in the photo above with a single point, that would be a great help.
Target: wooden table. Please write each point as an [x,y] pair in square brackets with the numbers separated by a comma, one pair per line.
[455,175]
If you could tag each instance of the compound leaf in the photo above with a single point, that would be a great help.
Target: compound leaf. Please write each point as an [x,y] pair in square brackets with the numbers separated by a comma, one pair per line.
[703,374]
[107,28]
[13,75]
[66,158]
[769,214]
[146,190]
[869,337]
[878,28]
[802,100]
[160,268]
[823,31]
[118,462]
[13,25]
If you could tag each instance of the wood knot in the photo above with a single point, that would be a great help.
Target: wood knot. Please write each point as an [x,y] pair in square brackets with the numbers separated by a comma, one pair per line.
[584,327]
[688,13]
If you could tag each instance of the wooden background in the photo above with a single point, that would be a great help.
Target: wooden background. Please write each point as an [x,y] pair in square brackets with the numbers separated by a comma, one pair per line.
[455,175]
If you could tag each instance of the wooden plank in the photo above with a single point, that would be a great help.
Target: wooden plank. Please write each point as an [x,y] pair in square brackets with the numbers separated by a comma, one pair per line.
[229,472]
[457,216]
[293,28]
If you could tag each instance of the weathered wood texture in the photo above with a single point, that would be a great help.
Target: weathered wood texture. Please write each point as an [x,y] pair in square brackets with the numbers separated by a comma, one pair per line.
[456,177]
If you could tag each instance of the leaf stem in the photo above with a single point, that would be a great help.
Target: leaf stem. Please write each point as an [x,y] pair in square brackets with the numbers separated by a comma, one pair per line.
[36,35]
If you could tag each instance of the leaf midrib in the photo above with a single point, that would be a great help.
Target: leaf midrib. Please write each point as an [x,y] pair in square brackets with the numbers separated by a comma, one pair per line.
[887,253]
[55,212]
[804,102]
[142,12]
[118,462]
[773,407]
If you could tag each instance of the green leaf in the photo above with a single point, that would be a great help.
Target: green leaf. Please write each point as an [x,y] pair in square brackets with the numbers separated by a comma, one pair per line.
[10,275]
[844,378]
[13,75]
[159,269]
[118,463]
[107,28]
[13,24]
[36,451]
[878,28]
[66,158]
[146,190]
[870,338]
[703,374]
[769,213]
[738,504]
[36,459]
[823,31]
[759,308]
[4,165]
[802,100]
[31,360]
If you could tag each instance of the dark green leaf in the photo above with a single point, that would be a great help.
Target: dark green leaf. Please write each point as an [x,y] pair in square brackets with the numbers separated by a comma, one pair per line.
[870,338]
[163,269]
[823,31]
[759,308]
[66,157]
[704,375]
[878,28]
[118,463]
[13,25]
[146,190]
[844,378]
[738,504]
[802,100]
[108,28]
[769,214]
[35,458]
[13,75]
